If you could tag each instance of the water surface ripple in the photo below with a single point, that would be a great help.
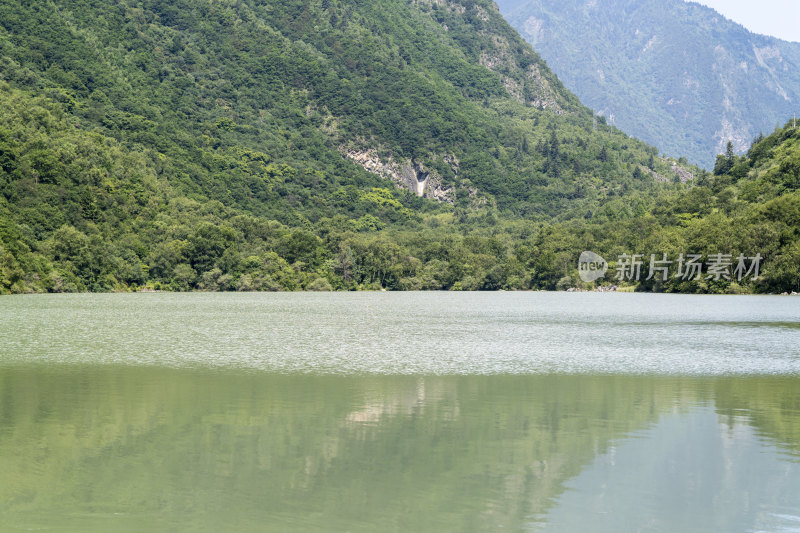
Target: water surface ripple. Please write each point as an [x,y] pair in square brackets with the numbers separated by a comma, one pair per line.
[410,333]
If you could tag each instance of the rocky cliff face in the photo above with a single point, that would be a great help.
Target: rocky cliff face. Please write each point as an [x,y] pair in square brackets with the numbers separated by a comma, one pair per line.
[408,174]
[676,74]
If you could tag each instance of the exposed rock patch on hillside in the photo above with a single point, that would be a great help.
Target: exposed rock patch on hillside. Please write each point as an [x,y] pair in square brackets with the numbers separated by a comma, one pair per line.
[408,174]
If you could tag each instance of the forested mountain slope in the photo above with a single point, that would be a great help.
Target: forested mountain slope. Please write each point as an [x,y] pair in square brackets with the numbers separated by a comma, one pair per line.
[673,73]
[447,88]
[257,145]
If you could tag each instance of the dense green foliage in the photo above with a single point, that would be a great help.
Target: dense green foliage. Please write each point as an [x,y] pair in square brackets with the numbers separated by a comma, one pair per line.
[198,145]
[294,81]
[674,73]
[750,205]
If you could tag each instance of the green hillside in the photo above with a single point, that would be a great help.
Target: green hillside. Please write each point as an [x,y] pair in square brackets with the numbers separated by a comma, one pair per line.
[315,145]
[749,205]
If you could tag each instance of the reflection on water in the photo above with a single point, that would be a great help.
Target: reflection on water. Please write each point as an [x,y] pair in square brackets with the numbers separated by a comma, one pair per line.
[101,448]
[399,412]
[693,471]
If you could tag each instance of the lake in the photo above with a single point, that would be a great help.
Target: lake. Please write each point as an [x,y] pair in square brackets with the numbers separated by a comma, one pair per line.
[400,412]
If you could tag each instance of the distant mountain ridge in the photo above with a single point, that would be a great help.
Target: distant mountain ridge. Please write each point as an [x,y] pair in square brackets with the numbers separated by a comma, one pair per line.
[676,74]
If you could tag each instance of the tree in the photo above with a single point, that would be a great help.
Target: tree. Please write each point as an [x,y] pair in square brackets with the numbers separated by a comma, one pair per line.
[725,163]
[208,243]
[729,153]
[554,156]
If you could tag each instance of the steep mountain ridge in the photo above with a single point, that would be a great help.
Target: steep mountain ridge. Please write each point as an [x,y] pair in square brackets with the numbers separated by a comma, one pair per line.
[675,74]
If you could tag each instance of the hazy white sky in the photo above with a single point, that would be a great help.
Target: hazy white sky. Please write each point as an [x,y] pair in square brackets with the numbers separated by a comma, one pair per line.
[779,18]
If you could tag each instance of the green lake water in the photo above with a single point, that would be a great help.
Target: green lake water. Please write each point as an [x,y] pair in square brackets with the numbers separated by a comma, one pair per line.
[399,412]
